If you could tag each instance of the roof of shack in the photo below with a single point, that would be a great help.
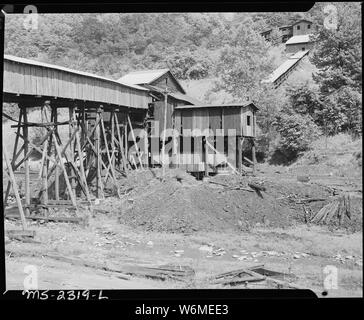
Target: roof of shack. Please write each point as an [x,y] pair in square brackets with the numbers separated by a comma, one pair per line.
[228,105]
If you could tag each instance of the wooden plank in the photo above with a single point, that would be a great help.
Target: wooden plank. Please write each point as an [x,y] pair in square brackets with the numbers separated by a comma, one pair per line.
[215,119]
[26,149]
[232,119]
[135,143]
[15,188]
[69,187]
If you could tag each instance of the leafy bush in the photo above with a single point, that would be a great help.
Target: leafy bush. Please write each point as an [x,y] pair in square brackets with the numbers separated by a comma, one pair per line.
[296,133]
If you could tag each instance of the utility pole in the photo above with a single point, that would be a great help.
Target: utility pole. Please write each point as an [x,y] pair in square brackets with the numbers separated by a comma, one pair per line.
[164,127]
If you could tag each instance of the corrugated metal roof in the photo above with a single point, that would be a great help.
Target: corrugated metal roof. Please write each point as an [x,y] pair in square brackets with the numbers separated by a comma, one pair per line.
[143,76]
[52,66]
[304,38]
[185,97]
[299,54]
[228,105]
[285,66]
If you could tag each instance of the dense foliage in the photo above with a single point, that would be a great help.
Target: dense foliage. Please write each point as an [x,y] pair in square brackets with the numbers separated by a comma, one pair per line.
[207,45]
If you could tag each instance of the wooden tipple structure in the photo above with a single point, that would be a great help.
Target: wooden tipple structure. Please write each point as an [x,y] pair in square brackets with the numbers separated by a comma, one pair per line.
[102,115]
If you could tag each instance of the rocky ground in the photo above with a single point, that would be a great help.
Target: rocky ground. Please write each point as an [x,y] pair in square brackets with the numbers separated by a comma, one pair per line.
[212,226]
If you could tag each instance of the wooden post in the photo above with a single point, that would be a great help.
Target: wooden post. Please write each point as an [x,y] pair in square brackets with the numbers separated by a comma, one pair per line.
[82,169]
[112,137]
[44,176]
[69,187]
[253,156]
[135,143]
[206,157]
[239,154]
[15,189]
[99,189]
[108,154]
[121,146]
[126,145]
[164,128]
[14,156]
[56,177]
[72,145]
[26,148]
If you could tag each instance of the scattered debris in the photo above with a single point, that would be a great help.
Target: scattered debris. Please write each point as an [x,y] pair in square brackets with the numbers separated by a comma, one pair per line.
[150,244]
[337,208]
[237,277]
[206,248]
[21,235]
[304,178]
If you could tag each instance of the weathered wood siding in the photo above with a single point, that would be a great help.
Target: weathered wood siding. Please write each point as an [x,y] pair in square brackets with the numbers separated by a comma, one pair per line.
[245,112]
[159,107]
[171,83]
[215,119]
[232,120]
[35,80]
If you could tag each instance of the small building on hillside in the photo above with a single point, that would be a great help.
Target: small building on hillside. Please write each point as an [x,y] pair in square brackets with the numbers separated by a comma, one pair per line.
[302,27]
[299,43]
[286,33]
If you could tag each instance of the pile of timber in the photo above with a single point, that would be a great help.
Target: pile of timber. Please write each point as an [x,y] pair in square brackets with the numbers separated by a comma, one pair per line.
[124,271]
[255,274]
[338,208]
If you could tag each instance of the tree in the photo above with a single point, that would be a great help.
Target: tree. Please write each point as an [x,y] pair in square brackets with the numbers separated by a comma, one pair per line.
[244,63]
[337,56]
[296,133]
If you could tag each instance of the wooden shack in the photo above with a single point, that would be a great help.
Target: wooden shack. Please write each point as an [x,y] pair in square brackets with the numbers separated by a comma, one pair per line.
[218,133]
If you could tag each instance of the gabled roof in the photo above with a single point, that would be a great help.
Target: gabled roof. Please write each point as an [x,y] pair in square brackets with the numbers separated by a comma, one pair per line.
[147,77]
[176,95]
[185,97]
[305,38]
[301,21]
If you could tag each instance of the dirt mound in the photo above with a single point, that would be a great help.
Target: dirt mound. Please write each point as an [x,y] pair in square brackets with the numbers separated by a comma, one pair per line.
[181,204]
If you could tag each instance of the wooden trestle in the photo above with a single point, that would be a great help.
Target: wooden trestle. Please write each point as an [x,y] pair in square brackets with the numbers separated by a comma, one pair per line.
[92,155]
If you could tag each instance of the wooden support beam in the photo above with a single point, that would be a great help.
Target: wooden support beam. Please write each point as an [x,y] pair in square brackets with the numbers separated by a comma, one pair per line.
[121,149]
[26,149]
[56,169]
[29,153]
[99,187]
[69,187]
[108,155]
[82,170]
[112,137]
[70,135]
[15,188]
[239,154]
[44,170]
[135,143]
[126,145]
[253,156]
[217,152]
[15,156]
